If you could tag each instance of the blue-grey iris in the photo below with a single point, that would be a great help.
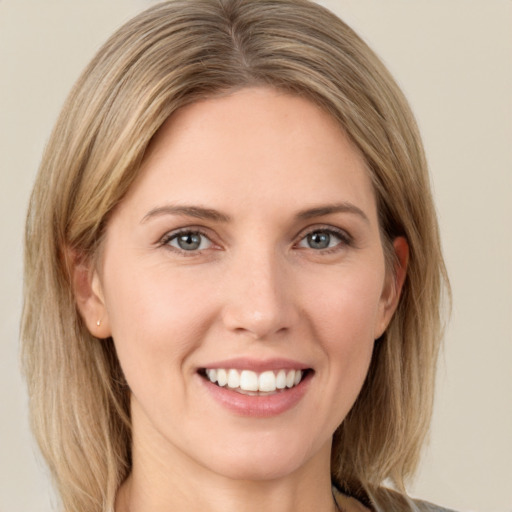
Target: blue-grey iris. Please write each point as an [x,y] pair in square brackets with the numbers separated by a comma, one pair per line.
[189,241]
[319,240]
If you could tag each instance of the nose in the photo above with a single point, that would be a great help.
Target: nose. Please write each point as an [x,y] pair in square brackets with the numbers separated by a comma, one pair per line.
[259,298]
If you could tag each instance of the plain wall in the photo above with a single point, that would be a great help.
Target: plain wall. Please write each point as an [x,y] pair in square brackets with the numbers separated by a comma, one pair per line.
[453,59]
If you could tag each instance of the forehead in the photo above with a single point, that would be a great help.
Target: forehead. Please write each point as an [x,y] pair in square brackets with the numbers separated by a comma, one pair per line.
[253,145]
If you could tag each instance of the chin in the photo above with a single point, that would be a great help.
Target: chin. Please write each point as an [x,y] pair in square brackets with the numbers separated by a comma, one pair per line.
[264,459]
[258,470]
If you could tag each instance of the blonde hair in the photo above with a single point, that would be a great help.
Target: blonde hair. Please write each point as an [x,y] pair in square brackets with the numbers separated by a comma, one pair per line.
[171,55]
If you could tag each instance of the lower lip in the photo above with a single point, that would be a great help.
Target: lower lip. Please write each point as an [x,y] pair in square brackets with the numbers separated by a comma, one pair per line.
[260,406]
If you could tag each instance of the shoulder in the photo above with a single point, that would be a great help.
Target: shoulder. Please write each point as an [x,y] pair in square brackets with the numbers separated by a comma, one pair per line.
[396,501]
[388,501]
[425,506]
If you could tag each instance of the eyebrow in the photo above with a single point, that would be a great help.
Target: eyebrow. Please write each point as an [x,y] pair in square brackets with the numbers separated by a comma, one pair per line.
[320,211]
[200,212]
[197,212]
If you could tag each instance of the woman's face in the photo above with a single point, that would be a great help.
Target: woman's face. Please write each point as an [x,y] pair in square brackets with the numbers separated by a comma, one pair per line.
[248,250]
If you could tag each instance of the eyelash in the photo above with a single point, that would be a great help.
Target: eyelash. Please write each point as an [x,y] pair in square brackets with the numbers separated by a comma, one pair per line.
[345,240]
[173,235]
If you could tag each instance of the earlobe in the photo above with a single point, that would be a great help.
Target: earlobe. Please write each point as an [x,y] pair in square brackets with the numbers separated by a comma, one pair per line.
[89,296]
[394,284]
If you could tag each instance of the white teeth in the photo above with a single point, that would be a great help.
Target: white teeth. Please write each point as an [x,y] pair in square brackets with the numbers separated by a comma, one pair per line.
[267,381]
[222,377]
[212,375]
[233,379]
[247,380]
[281,379]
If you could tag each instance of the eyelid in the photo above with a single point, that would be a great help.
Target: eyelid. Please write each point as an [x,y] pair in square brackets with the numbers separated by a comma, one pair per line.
[171,235]
[345,237]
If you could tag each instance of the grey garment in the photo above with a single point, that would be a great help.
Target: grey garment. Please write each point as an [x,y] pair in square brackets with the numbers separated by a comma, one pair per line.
[395,501]
[425,506]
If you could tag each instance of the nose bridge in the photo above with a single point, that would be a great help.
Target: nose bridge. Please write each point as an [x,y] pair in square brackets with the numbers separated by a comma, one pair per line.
[258,300]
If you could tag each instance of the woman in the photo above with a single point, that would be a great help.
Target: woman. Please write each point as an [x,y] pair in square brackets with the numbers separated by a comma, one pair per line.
[229,303]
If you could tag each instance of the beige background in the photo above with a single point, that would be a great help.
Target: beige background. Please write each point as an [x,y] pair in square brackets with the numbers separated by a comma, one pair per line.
[453,58]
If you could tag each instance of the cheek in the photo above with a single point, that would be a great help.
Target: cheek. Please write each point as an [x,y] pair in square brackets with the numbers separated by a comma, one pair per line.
[344,319]
[156,321]
[349,306]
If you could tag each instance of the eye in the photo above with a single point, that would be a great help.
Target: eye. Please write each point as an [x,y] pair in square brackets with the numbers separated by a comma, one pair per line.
[321,239]
[188,241]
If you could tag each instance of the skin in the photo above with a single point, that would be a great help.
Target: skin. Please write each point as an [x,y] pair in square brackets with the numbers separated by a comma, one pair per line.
[256,288]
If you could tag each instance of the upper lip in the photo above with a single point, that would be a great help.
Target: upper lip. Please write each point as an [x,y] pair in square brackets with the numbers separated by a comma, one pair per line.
[257,365]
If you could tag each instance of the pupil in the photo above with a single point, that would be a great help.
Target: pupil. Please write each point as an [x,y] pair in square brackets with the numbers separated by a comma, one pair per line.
[189,241]
[319,240]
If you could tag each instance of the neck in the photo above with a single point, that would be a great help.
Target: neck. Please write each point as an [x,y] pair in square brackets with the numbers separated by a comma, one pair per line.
[177,484]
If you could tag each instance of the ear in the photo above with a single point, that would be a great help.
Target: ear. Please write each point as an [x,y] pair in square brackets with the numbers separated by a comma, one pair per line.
[393,285]
[89,296]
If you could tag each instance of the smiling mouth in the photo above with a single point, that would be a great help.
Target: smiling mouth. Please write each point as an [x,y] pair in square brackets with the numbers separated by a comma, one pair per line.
[253,383]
